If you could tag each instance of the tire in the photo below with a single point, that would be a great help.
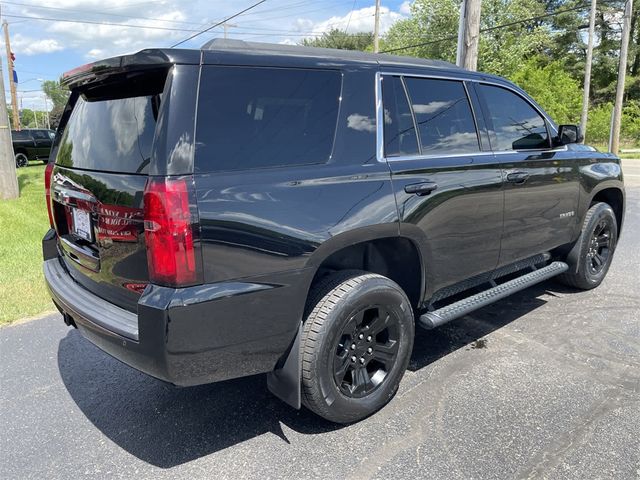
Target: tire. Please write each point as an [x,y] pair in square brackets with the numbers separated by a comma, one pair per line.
[45,161]
[21,160]
[597,244]
[356,344]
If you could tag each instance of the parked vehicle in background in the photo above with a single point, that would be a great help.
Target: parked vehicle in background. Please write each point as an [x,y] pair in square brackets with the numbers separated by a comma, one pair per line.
[32,144]
[250,208]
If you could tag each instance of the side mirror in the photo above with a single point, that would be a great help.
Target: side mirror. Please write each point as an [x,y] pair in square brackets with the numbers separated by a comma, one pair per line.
[569,134]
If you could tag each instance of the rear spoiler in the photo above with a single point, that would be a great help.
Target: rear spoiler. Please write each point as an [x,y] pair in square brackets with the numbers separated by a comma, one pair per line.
[142,60]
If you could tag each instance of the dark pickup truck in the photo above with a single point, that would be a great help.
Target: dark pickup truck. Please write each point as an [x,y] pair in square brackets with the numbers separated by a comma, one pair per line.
[250,208]
[32,144]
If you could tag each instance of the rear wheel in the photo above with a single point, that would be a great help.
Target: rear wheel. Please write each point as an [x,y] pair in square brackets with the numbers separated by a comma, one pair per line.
[356,345]
[21,160]
[597,244]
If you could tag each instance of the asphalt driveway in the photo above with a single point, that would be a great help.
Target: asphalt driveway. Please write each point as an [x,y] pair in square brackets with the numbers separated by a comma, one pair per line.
[543,384]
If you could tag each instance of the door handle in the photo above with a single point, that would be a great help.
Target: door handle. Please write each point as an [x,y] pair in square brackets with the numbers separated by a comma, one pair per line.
[422,188]
[517,177]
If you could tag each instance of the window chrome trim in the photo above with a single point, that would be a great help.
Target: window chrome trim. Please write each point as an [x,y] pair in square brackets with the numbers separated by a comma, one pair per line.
[435,156]
[407,97]
[475,119]
[380,117]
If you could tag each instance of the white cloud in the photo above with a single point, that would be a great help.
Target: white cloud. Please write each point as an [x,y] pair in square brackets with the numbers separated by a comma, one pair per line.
[361,20]
[119,39]
[31,46]
[95,53]
[405,8]
[100,40]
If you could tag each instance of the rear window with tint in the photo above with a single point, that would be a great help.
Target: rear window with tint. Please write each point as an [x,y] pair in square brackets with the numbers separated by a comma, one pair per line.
[265,117]
[19,135]
[443,115]
[110,135]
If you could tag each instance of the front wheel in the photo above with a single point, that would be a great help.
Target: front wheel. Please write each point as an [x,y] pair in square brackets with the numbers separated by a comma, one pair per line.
[21,160]
[597,244]
[356,345]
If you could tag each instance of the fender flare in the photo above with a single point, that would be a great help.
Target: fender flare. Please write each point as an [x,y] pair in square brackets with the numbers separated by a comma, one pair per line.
[285,380]
[574,254]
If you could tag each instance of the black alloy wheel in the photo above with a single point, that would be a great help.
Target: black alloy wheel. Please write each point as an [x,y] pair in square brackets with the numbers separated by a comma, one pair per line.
[366,351]
[592,254]
[599,248]
[355,345]
[21,160]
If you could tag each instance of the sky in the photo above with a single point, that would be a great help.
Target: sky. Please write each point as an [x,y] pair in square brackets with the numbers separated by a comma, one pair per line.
[46,42]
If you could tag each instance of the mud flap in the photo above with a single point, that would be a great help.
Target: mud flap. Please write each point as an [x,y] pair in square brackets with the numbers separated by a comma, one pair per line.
[284,380]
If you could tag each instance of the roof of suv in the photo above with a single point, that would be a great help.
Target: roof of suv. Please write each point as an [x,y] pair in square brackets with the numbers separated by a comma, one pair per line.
[212,51]
[346,56]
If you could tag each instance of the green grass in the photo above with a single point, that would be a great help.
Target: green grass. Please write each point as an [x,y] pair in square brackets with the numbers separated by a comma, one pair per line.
[23,223]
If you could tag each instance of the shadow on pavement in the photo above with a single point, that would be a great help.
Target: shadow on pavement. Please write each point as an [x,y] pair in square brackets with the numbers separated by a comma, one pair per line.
[167,426]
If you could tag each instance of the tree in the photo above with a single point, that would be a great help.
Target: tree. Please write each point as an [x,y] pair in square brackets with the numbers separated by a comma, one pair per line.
[341,40]
[55,116]
[433,30]
[552,87]
[27,118]
[56,93]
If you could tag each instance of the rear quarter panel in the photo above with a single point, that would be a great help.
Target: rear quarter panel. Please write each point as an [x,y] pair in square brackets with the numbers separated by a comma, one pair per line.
[257,224]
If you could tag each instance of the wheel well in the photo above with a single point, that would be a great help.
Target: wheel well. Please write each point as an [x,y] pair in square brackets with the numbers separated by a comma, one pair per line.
[20,150]
[396,258]
[612,197]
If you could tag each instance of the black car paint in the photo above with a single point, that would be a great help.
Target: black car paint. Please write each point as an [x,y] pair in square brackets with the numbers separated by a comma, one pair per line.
[265,233]
[33,145]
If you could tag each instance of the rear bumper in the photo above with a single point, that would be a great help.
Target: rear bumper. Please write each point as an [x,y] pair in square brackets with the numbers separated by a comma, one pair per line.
[188,336]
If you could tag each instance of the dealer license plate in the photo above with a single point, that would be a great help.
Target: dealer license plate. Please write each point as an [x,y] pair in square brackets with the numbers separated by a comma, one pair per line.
[82,224]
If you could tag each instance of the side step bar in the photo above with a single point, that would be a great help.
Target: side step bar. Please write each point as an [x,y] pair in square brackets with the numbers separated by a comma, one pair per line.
[460,308]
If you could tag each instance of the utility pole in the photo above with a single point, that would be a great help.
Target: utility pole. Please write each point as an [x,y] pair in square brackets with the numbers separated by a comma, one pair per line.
[587,70]
[614,145]
[8,180]
[376,29]
[46,110]
[12,84]
[469,34]
[226,27]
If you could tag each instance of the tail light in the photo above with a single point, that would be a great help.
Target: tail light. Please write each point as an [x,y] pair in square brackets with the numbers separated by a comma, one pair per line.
[169,233]
[48,172]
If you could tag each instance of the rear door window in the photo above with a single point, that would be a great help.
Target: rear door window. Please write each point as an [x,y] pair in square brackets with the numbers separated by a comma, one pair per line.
[110,135]
[514,123]
[443,116]
[19,135]
[399,130]
[40,135]
[265,117]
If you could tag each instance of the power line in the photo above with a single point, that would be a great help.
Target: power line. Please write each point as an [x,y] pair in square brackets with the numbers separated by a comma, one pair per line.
[96,12]
[276,32]
[92,22]
[489,29]
[218,24]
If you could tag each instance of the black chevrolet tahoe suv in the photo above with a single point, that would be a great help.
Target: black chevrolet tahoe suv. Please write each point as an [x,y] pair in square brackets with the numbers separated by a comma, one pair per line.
[250,208]
[31,144]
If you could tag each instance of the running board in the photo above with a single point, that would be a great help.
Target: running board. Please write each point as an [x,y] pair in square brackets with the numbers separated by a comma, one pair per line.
[460,308]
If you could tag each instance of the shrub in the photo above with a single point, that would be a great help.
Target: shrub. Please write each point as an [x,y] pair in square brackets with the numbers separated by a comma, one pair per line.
[553,88]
